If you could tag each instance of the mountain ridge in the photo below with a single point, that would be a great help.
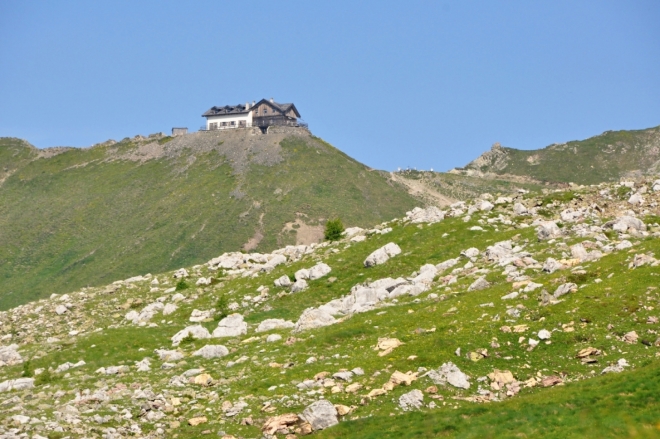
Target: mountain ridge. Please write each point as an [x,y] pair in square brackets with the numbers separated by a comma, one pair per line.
[609,156]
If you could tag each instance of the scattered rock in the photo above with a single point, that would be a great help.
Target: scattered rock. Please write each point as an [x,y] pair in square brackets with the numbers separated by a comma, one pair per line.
[479,284]
[321,414]
[387,345]
[550,381]
[282,424]
[630,337]
[411,400]
[449,373]
[197,421]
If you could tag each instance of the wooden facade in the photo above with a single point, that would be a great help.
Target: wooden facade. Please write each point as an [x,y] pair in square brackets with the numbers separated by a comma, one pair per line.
[267,113]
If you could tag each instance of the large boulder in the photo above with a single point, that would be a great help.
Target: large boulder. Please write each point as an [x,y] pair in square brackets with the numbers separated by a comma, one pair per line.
[319,270]
[547,230]
[314,318]
[381,255]
[411,400]
[485,206]
[449,373]
[565,289]
[9,355]
[197,332]
[479,284]
[270,324]
[301,274]
[429,215]
[626,223]
[283,281]
[321,414]
[299,285]
[17,384]
[211,351]
[519,209]
[231,326]
[168,355]
[200,316]
[273,262]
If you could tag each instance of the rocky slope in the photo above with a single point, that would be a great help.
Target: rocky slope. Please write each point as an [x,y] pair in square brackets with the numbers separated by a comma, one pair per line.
[491,300]
[604,158]
[77,217]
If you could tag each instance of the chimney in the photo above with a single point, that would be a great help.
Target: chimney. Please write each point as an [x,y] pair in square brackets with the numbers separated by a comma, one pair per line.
[247,105]
[271,100]
[253,102]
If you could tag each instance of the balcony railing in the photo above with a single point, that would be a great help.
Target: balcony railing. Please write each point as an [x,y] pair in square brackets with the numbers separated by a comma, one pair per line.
[259,124]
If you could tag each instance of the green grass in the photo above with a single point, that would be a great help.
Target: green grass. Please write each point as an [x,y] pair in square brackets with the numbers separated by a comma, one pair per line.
[81,219]
[603,158]
[611,406]
[617,405]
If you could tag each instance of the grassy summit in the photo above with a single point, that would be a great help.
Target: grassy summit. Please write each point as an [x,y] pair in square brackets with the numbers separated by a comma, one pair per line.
[75,217]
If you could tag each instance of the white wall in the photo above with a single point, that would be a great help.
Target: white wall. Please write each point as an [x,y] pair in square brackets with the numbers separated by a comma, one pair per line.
[228,118]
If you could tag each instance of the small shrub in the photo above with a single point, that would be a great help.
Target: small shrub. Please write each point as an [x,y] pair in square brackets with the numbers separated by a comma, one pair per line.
[611,234]
[181,285]
[333,230]
[546,213]
[562,197]
[28,370]
[44,377]
[164,140]
[56,435]
[623,192]
[188,339]
[222,307]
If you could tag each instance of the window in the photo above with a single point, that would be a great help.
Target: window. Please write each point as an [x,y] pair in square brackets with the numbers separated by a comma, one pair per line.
[224,124]
[213,126]
[265,110]
[233,123]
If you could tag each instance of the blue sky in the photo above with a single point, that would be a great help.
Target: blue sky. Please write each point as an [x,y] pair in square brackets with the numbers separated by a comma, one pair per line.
[426,84]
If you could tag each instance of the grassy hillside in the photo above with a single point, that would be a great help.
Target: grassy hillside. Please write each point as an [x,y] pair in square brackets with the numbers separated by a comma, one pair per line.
[611,310]
[607,157]
[78,217]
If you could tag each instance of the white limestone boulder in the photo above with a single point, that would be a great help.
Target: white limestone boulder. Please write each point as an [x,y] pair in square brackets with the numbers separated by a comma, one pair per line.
[231,326]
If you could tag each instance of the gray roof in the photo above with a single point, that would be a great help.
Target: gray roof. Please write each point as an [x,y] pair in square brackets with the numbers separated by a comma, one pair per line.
[281,107]
[242,109]
[227,109]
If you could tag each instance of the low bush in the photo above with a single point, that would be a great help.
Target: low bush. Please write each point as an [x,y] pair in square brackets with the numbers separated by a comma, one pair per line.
[333,230]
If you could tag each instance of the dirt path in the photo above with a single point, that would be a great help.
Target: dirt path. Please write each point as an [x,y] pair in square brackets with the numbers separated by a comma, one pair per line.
[422,192]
